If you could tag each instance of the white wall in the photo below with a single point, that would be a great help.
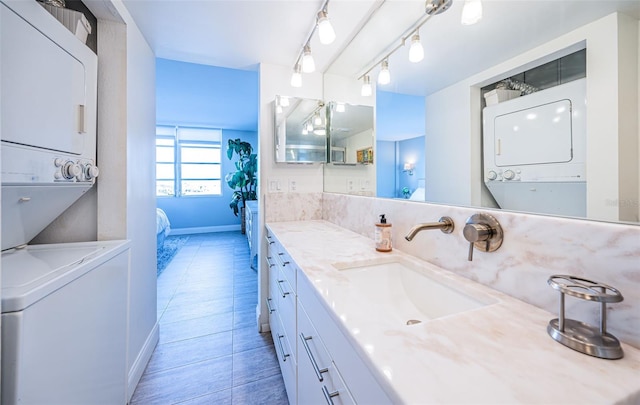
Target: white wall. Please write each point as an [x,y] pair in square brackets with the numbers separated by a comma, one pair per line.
[275,80]
[126,189]
[453,118]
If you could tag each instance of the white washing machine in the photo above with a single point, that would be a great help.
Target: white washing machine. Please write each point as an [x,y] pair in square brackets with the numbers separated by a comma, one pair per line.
[64,323]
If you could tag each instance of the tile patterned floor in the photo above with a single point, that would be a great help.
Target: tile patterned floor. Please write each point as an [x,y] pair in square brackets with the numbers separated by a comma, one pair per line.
[210,351]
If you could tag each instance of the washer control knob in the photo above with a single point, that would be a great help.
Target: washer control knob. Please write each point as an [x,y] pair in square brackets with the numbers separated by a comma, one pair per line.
[491,175]
[509,174]
[91,171]
[71,170]
[57,175]
[58,162]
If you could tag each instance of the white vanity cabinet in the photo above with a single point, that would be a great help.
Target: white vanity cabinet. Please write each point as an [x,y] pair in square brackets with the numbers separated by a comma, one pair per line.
[319,380]
[353,383]
[281,303]
[319,365]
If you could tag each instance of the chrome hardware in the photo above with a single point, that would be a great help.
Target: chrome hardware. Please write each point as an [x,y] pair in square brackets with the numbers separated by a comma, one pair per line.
[284,355]
[579,336]
[269,261]
[445,224]
[271,310]
[314,364]
[283,262]
[24,199]
[328,395]
[283,292]
[268,239]
[483,232]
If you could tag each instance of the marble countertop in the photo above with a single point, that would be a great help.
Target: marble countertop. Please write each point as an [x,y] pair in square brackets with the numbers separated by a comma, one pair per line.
[500,353]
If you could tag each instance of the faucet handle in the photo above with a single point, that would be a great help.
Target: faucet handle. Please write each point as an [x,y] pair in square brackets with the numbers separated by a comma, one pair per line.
[476,233]
[483,232]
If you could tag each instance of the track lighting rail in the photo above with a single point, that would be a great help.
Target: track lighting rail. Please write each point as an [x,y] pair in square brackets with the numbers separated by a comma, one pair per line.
[437,7]
[325,4]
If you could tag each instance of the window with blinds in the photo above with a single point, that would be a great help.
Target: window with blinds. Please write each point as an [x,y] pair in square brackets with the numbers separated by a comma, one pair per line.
[188,161]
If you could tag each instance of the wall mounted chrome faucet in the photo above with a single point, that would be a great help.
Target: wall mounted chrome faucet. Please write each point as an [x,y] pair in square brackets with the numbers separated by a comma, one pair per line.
[445,224]
[484,232]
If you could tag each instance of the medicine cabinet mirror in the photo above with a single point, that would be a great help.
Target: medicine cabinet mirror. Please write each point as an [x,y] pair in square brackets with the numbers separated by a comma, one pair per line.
[300,130]
[350,134]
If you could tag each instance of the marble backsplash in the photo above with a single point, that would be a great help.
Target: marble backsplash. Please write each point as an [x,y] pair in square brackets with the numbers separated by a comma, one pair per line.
[534,248]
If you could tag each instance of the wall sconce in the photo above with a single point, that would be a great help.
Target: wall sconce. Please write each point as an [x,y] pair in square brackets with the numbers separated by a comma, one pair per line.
[408,167]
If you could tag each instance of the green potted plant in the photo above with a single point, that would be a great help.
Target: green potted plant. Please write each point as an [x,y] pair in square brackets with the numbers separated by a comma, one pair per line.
[244,180]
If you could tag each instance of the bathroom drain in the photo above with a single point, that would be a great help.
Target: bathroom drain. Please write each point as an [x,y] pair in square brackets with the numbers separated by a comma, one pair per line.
[413,321]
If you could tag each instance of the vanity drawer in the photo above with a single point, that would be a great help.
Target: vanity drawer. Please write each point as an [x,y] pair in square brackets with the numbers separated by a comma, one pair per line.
[287,306]
[318,376]
[280,258]
[286,358]
[361,383]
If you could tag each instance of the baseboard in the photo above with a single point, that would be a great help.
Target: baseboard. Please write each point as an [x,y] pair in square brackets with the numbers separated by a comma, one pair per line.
[203,229]
[137,369]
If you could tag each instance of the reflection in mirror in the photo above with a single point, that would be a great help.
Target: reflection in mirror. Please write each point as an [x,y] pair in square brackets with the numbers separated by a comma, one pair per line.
[350,162]
[518,44]
[400,144]
[350,133]
[300,130]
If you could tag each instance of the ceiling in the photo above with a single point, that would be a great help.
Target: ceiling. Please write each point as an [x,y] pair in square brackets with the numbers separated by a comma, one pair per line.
[240,34]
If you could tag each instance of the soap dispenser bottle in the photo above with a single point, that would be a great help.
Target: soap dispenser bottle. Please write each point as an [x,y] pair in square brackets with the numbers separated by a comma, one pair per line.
[383,235]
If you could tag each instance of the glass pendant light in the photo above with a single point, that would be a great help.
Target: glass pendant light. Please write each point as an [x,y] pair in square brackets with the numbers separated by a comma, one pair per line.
[471,12]
[326,32]
[416,52]
[366,86]
[308,65]
[384,77]
[296,77]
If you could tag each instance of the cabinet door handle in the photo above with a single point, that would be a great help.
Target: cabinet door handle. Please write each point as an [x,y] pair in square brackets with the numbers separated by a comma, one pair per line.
[271,310]
[269,261]
[314,363]
[284,263]
[328,395]
[284,355]
[283,292]
[268,239]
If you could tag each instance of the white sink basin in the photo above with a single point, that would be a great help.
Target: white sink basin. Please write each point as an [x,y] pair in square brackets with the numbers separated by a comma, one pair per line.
[406,291]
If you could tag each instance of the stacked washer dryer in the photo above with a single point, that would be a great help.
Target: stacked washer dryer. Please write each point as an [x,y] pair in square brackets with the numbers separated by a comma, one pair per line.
[64,306]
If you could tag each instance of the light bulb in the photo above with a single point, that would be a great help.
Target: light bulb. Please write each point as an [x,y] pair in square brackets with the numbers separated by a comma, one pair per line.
[296,77]
[366,86]
[325,30]
[309,126]
[340,107]
[304,130]
[317,121]
[308,65]
[384,77]
[471,12]
[416,53]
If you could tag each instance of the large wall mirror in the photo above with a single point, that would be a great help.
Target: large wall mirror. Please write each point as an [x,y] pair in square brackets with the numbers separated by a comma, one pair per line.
[429,119]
